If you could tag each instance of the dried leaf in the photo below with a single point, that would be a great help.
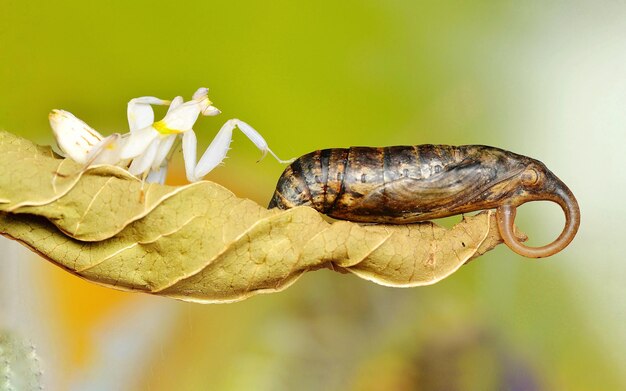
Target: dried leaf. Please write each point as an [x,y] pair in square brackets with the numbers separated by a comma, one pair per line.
[23,164]
[405,255]
[201,243]
[109,193]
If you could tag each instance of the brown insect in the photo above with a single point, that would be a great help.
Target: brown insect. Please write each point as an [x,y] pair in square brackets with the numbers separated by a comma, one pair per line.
[407,184]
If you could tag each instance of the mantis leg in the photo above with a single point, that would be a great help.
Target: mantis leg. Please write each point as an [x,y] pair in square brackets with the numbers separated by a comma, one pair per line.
[157,176]
[140,113]
[141,138]
[138,142]
[158,169]
[216,152]
[142,163]
[107,151]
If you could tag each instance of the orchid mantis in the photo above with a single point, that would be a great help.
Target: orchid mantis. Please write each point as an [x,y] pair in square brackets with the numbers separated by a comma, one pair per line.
[145,151]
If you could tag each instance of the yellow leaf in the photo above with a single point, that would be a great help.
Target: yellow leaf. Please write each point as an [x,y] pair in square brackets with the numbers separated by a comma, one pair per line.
[27,173]
[201,243]
[47,185]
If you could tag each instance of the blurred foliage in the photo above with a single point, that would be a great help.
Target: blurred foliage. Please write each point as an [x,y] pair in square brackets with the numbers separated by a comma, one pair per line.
[19,363]
[310,75]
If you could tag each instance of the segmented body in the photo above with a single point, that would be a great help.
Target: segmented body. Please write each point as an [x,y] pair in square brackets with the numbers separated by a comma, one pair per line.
[407,184]
[397,185]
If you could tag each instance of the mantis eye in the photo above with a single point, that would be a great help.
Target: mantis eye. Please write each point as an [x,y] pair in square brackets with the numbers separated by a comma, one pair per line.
[530,177]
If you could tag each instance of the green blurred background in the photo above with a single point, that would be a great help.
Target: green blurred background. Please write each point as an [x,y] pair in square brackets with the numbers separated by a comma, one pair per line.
[545,79]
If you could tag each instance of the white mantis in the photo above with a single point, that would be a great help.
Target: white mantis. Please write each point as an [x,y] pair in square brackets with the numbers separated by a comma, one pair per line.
[145,150]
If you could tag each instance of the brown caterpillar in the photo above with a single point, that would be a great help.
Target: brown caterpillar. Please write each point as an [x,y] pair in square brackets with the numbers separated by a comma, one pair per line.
[407,184]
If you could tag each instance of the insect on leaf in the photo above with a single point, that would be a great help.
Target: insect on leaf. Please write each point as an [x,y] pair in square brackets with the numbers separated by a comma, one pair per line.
[201,243]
